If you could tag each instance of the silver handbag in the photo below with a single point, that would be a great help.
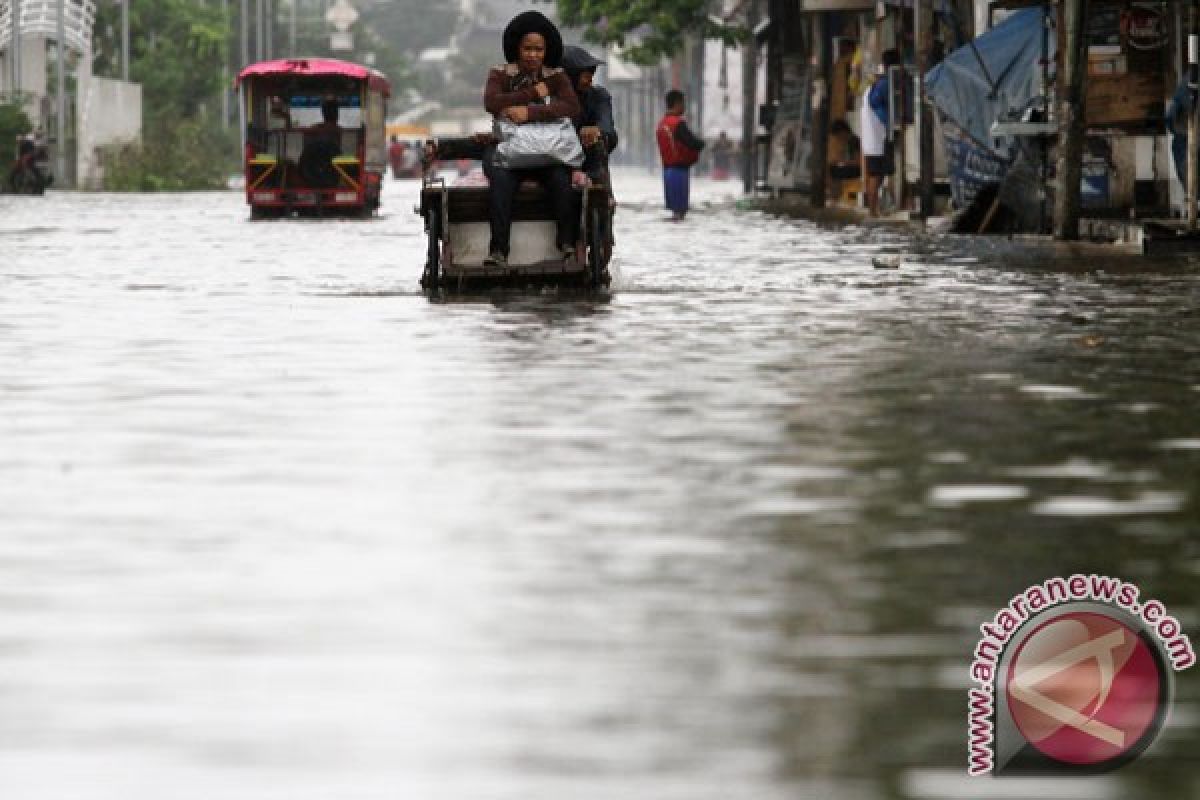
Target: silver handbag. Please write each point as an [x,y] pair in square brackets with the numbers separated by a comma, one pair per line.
[536,144]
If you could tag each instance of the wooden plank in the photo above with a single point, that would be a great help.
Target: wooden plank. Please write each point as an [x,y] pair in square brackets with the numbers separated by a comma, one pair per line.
[837,5]
[1133,99]
[540,268]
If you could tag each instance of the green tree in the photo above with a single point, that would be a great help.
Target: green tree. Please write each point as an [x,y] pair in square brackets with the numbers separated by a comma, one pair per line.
[648,29]
[178,49]
[411,25]
[13,123]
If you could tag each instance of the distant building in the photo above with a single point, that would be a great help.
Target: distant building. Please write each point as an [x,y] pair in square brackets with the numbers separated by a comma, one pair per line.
[101,111]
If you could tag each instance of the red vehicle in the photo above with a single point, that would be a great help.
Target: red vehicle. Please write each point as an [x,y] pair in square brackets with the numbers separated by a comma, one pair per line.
[313,136]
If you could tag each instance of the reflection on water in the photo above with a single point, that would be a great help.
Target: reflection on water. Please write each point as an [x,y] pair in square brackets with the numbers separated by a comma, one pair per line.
[277,526]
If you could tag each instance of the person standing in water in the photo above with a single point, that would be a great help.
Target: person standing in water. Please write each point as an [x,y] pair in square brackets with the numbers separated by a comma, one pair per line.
[679,149]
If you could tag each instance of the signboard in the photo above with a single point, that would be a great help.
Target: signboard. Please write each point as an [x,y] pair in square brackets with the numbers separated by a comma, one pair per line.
[1146,27]
[1103,29]
[341,15]
[1127,63]
[837,5]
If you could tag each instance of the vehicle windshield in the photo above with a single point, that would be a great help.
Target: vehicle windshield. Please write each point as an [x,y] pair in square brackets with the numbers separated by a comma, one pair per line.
[305,110]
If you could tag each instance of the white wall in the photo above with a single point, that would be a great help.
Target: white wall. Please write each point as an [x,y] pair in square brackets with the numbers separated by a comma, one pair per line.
[33,66]
[722,104]
[109,112]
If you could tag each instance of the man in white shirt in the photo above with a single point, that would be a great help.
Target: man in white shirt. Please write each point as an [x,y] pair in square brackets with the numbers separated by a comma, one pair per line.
[875,134]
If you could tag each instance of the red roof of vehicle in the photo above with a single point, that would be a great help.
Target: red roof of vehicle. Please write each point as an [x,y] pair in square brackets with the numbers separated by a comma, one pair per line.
[316,67]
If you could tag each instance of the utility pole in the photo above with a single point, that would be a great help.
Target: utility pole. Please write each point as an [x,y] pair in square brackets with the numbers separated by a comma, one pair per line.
[244,21]
[292,28]
[61,89]
[269,24]
[1072,123]
[224,69]
[125,40]
[259,53]
[14,49]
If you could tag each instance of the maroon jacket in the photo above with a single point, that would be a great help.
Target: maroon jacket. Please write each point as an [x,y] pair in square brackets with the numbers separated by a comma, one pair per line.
[507,86]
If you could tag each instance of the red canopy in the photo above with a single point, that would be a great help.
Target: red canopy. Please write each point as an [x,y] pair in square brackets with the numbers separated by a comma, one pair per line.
[315,67]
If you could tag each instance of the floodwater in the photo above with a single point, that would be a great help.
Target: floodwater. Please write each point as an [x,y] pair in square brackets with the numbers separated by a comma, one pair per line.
[275,525]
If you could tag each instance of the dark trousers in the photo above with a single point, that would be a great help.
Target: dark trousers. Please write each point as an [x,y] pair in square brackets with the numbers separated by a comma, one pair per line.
[676,182]
[503,185]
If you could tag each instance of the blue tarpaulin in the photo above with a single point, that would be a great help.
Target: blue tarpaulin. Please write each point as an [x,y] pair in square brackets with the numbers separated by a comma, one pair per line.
[974,96]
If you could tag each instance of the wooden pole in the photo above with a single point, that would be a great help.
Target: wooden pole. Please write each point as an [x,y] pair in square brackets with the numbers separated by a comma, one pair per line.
[820,112]
[1193,122]
[749,101]
[923,44]
[1072,127]
[899,90]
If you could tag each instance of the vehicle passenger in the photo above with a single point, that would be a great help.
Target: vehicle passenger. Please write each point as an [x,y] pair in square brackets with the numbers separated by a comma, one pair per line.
[530,87]
[322,143]
[280,115]
[597,131]
[596,128]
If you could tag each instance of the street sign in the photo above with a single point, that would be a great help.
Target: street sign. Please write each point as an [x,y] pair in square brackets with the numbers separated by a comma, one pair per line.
[341,15]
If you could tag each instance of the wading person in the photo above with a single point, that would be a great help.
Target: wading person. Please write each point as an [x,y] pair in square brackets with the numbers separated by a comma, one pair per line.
[396,152]
[722,157]
[679,149]
[530,87]
[875,124]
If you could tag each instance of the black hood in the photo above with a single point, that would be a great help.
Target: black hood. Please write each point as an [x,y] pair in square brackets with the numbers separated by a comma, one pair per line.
[576,59]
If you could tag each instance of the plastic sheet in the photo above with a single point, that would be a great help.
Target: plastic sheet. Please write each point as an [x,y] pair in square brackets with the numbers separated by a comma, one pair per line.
[995,79]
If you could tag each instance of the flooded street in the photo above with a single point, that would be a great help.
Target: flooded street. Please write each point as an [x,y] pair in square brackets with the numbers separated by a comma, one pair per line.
[273,524]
